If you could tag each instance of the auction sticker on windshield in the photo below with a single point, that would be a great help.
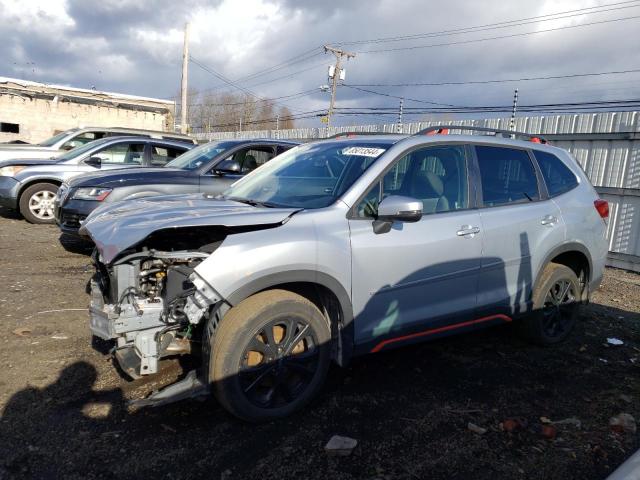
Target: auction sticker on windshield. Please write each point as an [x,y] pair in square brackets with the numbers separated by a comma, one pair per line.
[363,151]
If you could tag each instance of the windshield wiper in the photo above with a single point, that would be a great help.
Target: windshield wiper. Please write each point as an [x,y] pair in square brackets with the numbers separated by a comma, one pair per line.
[253,203]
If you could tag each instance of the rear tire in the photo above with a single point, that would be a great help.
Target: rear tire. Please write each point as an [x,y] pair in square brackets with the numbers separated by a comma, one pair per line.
[556,302]
[36,203]
[269,355]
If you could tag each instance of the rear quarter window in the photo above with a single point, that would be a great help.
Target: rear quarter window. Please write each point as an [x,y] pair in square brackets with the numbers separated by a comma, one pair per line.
[557,176]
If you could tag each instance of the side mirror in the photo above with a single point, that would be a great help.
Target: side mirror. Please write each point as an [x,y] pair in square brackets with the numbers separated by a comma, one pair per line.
[94,162]
[227,166]
[232,166]
[396,208]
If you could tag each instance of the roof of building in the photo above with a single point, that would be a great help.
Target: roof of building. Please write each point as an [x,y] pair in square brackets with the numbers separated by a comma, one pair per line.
[81,93]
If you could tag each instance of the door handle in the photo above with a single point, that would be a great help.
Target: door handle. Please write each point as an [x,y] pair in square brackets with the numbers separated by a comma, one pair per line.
[549,220]
[467,231]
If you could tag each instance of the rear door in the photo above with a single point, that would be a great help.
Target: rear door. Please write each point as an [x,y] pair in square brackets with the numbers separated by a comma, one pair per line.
[520,224]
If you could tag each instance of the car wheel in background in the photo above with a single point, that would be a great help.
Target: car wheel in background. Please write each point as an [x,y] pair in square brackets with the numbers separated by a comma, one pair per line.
[36,203]
[269,355]
[556,302]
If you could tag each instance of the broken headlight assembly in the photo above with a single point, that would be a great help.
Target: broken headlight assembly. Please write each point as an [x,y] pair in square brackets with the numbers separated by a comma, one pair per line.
[149,303]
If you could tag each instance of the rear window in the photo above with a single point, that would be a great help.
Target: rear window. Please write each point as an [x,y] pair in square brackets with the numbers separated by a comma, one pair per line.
[557,176]
[507,176]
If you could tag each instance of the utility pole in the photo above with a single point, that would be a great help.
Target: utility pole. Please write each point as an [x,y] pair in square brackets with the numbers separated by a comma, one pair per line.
[277,122]
[185,74]
[512,122]
[339,53]
[400,128]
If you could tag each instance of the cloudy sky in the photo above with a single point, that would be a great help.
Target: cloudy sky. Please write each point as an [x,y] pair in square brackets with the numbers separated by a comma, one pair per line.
[273,49]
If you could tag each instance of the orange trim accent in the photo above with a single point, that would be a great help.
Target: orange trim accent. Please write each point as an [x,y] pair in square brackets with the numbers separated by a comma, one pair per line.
[440,131]
[433,331]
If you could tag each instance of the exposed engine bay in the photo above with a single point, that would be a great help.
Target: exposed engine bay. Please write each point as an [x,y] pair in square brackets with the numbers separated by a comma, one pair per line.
[151,303]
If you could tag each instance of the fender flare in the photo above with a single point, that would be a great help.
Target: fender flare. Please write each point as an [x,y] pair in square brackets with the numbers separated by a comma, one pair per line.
[570,246]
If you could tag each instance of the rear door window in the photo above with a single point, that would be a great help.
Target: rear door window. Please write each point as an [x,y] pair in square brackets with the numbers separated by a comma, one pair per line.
[163,154]
[283,148]
[122,153]
[507,176]
[81,139]
[557,176]
[246,160]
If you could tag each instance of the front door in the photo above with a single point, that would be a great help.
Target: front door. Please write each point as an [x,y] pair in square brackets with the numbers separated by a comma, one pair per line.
[420,277]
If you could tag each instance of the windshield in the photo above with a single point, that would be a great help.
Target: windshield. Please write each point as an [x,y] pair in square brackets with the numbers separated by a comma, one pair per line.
[198,156]
[76,152]
[308,176]
[49,142]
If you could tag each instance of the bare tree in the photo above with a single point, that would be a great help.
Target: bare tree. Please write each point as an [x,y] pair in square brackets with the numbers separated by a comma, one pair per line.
[286,118]
[226,111]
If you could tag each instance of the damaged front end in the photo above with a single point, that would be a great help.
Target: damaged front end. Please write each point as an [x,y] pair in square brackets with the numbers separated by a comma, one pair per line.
[149,302]
[146,294]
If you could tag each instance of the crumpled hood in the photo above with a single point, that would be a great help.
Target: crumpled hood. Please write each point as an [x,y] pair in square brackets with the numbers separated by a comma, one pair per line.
[121,225]
[133,176]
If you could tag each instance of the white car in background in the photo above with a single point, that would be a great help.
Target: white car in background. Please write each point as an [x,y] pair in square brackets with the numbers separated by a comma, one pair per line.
[76,137]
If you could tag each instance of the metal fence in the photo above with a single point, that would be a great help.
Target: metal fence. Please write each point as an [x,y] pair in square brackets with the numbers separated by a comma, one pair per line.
[607,146]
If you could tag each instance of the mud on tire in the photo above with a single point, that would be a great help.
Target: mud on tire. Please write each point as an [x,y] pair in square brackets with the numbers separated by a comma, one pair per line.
[556,302]
[269,355]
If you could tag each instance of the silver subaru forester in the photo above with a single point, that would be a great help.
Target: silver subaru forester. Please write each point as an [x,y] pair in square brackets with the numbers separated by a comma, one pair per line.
[343,247]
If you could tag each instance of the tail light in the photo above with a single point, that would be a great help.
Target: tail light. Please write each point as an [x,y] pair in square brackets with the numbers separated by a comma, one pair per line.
[602,206]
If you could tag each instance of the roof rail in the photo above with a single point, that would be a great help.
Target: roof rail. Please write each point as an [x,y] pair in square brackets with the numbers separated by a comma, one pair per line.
[357,134]
[444,130]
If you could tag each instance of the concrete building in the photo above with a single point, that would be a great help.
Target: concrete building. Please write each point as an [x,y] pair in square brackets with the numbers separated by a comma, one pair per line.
[32,112]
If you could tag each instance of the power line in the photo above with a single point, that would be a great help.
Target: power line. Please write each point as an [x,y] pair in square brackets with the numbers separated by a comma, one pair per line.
[598,104]
[230,82]
[291,61]
[267,71]
[396,96]
[309,114]
[498,25]
[504,80]
[266,99]
[292,74]
[513,35]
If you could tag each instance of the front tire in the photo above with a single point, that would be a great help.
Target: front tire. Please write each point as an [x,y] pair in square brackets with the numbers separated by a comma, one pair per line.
[556,301]
[36,203]
[269,355]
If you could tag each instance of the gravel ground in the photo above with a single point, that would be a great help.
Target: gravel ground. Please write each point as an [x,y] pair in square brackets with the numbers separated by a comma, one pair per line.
[64,408]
